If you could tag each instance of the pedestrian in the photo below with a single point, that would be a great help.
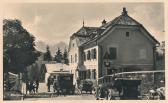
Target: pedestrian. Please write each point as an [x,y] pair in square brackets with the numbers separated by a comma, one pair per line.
[27,86]
[49,83]
[55,84]
[37,85]
[34,87]
[31,86]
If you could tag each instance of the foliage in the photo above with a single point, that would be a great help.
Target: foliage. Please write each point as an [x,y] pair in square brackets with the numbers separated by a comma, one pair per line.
[65,57]
[18,47]
[47,55]
[58,56]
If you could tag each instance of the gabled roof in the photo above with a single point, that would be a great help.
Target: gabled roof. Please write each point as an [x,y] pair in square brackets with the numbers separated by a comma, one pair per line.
[123,19]
[87,35]
[85,31]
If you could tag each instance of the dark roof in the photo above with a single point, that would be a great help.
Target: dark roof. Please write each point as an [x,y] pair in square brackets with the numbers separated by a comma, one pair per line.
[86,31]
[84,34]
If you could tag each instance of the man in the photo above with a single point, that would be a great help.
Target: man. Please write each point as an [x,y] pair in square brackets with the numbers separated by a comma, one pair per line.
[49,83]
[55,84]
[37,85]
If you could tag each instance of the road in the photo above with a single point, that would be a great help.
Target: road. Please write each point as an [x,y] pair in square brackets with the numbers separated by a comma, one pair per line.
[69,97]
[49,96]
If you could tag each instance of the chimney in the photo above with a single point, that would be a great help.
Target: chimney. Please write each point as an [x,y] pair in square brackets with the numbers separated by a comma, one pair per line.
[124,11]
[104,22]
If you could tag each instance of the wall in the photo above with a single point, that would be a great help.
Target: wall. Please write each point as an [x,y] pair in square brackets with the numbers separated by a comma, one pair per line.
[72,51]
[92,63]
[128,48]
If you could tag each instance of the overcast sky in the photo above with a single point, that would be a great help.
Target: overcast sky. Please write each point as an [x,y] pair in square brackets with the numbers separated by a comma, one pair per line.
[55,22]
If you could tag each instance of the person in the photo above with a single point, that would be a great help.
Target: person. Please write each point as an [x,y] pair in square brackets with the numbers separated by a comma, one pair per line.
[27,86]
[37,85]
[106,93]
[55,84]
[34,87]
[31,87]
[49,83]
[97,92]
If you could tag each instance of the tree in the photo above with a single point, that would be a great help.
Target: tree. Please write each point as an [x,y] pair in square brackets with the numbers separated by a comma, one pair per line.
[18,47]
[65,57]
[47,55]
[58,56]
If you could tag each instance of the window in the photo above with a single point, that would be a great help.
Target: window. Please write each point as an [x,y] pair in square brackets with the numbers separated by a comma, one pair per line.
[71,58]
[88,55]
[73,44]
[75,58]
[127,34]
[92,53]
[84,56]
[113,53]
[94,56]
[88,74]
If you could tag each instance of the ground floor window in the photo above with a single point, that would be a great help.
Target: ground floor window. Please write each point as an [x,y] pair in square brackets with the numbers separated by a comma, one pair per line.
[82,75]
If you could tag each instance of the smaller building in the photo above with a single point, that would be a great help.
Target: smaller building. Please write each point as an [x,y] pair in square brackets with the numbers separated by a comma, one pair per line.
[56,69]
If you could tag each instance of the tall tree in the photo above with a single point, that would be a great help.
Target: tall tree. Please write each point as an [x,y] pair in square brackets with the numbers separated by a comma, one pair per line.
[18,47]
[58,56]
[65,57]
[47,55]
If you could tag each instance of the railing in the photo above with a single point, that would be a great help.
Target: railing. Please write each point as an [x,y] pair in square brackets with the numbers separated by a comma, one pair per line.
[131,75]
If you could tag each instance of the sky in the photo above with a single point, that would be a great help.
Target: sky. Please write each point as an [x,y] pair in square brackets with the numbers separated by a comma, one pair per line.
[55,22]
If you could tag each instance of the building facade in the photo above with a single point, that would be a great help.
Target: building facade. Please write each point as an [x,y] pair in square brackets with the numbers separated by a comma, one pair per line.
[130,47]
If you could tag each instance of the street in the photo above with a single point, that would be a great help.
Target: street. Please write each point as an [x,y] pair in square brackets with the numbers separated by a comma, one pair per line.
[44,95]
[68,97]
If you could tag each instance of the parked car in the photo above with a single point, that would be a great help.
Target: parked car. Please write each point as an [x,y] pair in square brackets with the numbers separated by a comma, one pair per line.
[86,85]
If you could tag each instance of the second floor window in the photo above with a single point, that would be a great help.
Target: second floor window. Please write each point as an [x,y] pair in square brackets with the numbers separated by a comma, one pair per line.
[71,58]
[113,53]
[84,56]
[127,34]
[93,54]
[75,58]
[88,55]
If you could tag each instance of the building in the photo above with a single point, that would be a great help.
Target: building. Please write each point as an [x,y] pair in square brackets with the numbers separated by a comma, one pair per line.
[127,44]
[55,69]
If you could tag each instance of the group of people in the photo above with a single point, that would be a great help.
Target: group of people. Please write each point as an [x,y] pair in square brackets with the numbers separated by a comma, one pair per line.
[32,86]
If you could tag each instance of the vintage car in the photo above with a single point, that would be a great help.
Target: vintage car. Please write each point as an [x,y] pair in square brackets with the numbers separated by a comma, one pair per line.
[118,88]
[65,84]
[86,85]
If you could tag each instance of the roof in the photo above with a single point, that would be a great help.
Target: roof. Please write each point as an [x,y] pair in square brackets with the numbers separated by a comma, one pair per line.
[124,19]
[86,35]
[54,68]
